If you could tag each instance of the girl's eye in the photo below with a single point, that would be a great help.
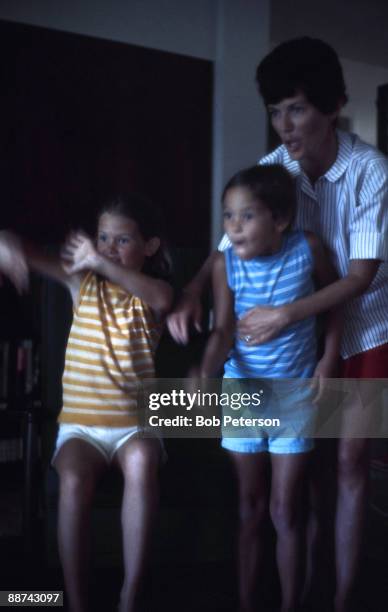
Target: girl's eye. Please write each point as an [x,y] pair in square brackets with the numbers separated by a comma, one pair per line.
[123,240]
[297,109]
[273,112]
[101,237]
[227,215]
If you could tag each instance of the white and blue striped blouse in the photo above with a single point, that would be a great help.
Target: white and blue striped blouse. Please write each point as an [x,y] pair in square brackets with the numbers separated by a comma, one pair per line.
[348,209]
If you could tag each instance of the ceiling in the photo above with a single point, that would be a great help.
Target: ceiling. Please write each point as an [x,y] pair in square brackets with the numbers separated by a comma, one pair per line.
[357,29]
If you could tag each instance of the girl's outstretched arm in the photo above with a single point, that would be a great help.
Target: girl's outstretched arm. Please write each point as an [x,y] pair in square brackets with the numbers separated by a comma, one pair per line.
[16,256]
[222,336]
[12,260]
[80,254]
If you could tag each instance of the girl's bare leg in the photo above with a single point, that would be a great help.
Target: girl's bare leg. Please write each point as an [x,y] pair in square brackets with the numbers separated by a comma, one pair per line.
[287,494]
[79,466]
[139,461]
[253,515]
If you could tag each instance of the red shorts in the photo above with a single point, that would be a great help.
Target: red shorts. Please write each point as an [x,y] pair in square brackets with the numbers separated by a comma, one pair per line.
[370,364]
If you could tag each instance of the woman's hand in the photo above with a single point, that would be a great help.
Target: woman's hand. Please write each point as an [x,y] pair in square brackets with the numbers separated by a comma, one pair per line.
[13,262]
[79,253]
[325,369]
[262,323]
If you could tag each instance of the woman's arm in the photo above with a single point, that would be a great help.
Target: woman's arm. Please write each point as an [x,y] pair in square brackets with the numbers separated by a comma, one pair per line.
[325,274]
[264,323]
[80,254]
[222,336]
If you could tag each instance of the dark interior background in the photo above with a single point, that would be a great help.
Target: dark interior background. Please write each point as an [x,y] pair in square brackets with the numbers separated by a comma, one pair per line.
[83,117]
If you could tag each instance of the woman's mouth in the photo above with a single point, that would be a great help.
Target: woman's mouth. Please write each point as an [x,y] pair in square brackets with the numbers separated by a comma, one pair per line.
[292,145]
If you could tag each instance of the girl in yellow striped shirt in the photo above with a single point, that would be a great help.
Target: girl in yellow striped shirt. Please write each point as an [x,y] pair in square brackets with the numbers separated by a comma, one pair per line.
[119,303]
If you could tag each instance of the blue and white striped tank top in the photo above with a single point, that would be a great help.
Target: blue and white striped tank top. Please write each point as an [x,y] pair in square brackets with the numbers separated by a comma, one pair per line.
[273,280]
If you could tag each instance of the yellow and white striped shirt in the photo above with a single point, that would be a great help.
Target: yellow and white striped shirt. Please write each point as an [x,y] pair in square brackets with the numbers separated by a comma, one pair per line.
[111,347]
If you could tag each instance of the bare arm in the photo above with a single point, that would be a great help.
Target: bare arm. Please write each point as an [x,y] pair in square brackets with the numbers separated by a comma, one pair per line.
[80,254]
[264,323]
[12,260]
[325,274]
[189,309]
[22,255]
[222,336]
[52,266]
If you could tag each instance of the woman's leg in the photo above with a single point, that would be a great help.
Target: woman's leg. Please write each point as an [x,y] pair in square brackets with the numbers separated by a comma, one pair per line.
[139,461]
[286,507]
[253,515]
[352,487]
[322,486]
[79,466]
[353,455]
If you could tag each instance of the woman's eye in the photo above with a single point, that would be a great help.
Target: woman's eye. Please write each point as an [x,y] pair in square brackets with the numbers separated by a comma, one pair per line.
[273,112]
[227,216]
[101,238]
[123,240]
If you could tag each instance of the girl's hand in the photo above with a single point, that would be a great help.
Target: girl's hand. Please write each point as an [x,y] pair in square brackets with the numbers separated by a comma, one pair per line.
[79,253]
[12,260]
[262,323]
[188,309]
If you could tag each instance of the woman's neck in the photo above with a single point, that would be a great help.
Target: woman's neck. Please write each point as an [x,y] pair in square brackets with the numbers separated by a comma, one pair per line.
[324,158]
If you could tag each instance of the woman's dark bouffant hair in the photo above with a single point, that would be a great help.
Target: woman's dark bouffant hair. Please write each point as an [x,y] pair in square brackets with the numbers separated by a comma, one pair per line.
[149,220]
[272,184]
[303,64]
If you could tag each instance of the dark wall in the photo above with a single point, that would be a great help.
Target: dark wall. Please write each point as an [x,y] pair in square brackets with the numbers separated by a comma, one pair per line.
[83,117]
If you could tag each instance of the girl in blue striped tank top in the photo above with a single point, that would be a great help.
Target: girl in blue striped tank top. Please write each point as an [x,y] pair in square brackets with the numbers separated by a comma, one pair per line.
[268,264]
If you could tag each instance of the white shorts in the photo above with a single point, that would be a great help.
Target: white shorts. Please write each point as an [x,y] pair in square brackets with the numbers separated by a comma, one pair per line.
[107,440]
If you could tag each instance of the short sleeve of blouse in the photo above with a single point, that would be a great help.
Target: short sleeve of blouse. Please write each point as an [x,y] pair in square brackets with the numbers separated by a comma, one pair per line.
[368,222]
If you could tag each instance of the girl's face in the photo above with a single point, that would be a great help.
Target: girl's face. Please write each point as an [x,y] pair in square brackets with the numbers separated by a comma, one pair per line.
[119,239]
[250,225]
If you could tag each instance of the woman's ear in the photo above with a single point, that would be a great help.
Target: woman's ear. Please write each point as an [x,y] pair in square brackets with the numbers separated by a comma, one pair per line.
[152,246]
[335,114]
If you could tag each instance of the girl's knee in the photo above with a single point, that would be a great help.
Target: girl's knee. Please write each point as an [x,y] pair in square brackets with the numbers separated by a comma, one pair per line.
[76,481]
[74,487]
[284,514]
[140,460]
[253,508]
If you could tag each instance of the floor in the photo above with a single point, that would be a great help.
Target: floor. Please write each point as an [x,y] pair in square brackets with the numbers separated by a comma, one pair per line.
[186,579]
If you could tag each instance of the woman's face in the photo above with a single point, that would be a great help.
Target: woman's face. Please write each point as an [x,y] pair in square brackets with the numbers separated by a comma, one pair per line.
[306,132]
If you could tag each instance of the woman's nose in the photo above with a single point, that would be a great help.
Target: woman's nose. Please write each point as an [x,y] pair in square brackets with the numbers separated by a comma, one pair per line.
[285,123]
